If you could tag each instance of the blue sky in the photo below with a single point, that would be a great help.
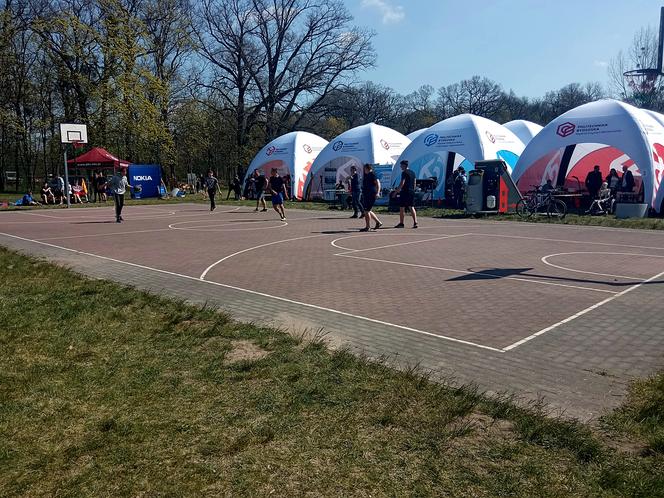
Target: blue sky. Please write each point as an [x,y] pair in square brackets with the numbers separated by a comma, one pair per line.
[530,46]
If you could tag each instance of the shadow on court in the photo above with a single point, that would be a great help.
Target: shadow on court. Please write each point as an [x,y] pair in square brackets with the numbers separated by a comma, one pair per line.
[498,273]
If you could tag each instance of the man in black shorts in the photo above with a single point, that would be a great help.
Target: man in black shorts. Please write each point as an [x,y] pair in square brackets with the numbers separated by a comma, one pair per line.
[260,182]
[278,193]
[406,189]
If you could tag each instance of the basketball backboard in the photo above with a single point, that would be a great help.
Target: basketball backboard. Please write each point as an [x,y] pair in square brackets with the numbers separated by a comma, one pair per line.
[73,133]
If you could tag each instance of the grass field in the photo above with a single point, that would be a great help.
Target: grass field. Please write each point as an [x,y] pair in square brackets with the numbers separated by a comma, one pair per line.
[105,390]
[570,219]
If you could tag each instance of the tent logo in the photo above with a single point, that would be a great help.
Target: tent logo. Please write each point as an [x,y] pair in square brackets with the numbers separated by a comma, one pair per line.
[430,139]
[142,178]
[337,145]
[385,145]
[307,149]
[491,138]
[271,150]
[566,129]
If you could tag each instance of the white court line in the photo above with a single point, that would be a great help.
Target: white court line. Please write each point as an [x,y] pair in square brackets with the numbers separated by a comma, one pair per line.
[580,313]
[207,270]
[545,260]
[105,234]
[212,228]
[139,217]
[567,241]
[466,272]
[225,223]
[256,293]
[353,251]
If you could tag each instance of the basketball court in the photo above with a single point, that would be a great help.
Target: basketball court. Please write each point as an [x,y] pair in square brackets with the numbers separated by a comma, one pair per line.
[471,286]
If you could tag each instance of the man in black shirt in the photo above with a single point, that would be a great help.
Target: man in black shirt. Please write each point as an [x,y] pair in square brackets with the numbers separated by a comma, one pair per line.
[278,193]
[594,182]
[358,210]
[260,182]
[212,186]
[406,189]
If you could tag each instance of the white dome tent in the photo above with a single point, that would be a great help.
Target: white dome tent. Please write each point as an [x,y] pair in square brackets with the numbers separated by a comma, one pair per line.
[524,130]
[612,134]
[659,153]
[292,154]
[456,141]
[366,144]
[414,134]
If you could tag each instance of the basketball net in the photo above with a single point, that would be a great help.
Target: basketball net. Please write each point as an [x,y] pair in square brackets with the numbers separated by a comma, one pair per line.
[642,81]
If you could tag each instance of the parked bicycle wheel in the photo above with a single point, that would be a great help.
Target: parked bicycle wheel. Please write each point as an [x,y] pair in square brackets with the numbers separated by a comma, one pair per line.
[557,209]
[523,208]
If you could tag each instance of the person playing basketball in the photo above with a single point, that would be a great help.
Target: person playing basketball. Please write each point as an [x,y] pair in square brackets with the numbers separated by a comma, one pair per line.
[406,189]
[370,190]
[118,186]
[212,186]
[260,182]
[278,193]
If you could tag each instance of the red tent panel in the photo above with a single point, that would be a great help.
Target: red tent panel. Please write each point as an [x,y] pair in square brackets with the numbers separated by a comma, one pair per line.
[97,158]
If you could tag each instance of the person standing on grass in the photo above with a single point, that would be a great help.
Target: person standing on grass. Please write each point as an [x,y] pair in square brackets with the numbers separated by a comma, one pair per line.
[406,189]
[260,183]
[370,190]
[118,186]
[212,186]
[60,190]
[355,192]
[278,193]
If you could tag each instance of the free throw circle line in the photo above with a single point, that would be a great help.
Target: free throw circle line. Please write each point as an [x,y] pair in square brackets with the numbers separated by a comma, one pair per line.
[545,260]
[253,248]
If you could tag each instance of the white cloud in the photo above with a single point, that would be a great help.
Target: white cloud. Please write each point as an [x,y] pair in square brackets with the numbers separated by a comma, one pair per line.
[601,64]
[391,14]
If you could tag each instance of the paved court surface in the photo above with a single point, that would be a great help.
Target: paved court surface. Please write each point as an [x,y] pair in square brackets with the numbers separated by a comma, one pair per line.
[567,313]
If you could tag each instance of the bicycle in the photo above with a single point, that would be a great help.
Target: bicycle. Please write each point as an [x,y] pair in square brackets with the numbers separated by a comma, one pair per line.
[537,201]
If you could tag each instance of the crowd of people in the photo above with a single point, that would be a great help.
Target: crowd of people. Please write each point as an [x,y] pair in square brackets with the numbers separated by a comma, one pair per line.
[78,191]
[613,182]
[102,187]
[362,192]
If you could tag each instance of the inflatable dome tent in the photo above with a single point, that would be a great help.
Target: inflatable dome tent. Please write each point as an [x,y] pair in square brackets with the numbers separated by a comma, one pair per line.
[366,144]
[292,154]
[659,196]
[607,133]
[414,134]
[458,141]
[524,130]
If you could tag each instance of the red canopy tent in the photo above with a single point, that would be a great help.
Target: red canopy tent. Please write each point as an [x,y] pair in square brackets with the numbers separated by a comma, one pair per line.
[98,158]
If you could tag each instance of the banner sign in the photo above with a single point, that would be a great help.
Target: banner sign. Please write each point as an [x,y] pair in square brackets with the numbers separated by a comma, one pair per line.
[148,176]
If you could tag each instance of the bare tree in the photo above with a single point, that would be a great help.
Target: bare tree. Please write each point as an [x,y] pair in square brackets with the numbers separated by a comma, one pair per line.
[568,97]
[274,61]
[366,103]
[418,109]
[479,96]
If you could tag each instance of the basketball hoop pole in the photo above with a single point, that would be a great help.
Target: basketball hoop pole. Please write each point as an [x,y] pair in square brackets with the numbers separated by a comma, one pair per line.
[71,133]
[66,188]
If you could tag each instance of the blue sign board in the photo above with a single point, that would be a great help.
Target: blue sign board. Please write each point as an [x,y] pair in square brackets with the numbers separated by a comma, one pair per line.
[148,176]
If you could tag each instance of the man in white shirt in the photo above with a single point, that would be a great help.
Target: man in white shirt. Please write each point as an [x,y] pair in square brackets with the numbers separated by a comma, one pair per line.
[118,186]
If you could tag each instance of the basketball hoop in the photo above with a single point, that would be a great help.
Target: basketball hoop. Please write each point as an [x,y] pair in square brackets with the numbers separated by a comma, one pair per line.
[77,135]
[642,80]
